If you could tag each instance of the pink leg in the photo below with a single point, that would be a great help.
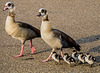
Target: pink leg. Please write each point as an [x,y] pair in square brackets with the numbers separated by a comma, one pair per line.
[48,57]
[21,52]
[62,54]
[32,48]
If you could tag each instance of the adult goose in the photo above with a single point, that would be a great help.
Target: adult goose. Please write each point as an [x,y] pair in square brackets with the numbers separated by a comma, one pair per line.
[53,37]
[19,30]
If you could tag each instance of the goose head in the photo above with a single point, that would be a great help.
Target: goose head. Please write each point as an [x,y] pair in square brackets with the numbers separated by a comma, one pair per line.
[43,13]
[8,6]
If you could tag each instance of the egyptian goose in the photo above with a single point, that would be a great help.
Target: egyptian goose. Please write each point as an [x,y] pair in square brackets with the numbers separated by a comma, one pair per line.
[75,55]
[90,59]
[81,57]
[56,57]
[19,30]
[53,37]
[68,59]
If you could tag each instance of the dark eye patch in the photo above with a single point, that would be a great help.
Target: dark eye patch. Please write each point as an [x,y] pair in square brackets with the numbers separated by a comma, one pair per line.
[42,11]
[9,4]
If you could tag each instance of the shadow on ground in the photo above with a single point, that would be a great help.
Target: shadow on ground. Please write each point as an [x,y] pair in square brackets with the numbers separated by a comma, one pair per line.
[88,39]
[28,59]
[43,51]
[95,49]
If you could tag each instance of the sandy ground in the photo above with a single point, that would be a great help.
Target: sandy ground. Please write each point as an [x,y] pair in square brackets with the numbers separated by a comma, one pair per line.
[78,18]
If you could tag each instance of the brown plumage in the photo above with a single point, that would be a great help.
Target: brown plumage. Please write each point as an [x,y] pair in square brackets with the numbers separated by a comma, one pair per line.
[19,30]
[53,37]
[27,26]
[64,37]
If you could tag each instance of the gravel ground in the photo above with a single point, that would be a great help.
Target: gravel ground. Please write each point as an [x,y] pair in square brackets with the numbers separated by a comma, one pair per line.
[78,18]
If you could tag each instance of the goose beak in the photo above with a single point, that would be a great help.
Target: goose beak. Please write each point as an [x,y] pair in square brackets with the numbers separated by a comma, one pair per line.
[39,15]
[5,8]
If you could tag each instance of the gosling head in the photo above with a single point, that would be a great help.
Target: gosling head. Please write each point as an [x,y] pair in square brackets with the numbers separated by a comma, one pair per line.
[66,55]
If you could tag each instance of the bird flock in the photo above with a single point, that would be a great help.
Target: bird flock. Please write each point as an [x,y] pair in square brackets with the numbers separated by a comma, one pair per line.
[75,58]
[55,38]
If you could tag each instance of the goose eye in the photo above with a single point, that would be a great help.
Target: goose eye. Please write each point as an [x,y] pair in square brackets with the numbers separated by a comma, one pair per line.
[9,4]
[42,11]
